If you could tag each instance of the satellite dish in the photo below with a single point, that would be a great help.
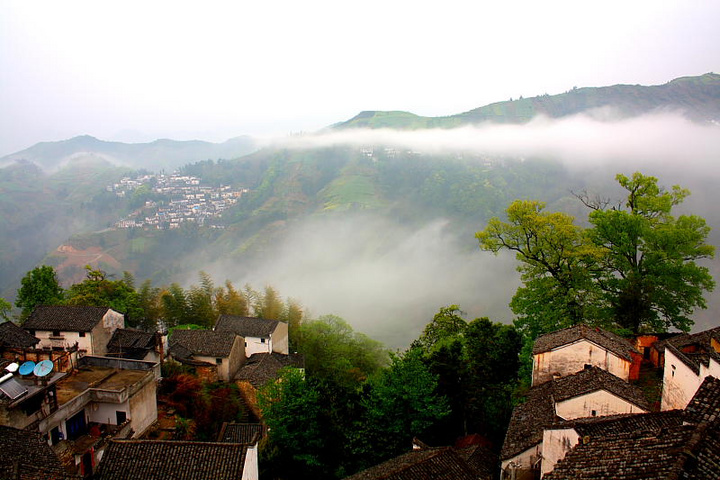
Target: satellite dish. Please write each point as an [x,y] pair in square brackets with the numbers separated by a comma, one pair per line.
[27,368]
[43,368]
[12,368]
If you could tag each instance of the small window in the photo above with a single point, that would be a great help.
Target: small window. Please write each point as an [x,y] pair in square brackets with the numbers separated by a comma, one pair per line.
[218,361]
[56,333]
[82,334]
[262,340]
[594,413]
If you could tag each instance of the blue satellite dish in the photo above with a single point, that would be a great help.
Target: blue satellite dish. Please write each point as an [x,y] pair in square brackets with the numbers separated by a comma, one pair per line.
[27,368]
[43,368]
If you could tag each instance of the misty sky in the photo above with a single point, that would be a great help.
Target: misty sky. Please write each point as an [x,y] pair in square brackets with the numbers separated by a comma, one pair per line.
[136,71]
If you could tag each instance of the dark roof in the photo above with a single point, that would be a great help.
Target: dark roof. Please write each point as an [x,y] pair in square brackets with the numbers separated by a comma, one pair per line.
[246,326]
[65,318]
[682,451]
[161,459]
[481,459]
[694,349]
[260,368]
[432,463]
[12,336]
[593,427]
[245,433]
[608,340]
[203,342]
[27,453]
[529,419]
[130,343]
[705,404]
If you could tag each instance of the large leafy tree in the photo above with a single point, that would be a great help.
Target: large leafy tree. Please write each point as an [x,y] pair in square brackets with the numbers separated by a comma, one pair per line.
[39,286]
[650,273]
[634,269]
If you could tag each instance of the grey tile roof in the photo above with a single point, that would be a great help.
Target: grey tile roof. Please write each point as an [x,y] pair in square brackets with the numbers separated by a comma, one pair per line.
[203,342]
[159,459]
[683,451]
[130,343]
[529,419]
[26,455]
[246,326]
[481,459]
[432,463]
[12,336]
[245,433]
[64,318]
[593,427]
[705,404]
[608,340]
[261,368]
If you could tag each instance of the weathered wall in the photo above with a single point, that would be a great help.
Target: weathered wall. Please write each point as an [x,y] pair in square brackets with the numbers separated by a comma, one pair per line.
[143,408]
[680,382]
[236,359]
[519,467]
[251,470]
[104,330]
[279,339]
[64,340]
[600,402]
[572,358]
[257,345]
[556,444]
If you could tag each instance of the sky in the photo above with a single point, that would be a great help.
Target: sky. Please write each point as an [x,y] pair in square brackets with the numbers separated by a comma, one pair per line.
[136,71]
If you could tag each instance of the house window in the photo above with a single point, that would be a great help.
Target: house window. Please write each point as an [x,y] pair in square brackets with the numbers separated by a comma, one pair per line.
[218,361]
[594,413]
[120,417]
[56,333]
[262,340]
[82,334]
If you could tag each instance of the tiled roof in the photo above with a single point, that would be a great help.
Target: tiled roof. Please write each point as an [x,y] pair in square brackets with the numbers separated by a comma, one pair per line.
[159,459]
[608,340]
[481,459]
[64,318]
[27,455]
[595,378]
[261,368]
[683,451]
[206,343]
[12,336]
[694,349]
[131,343]
[529,419]
[246,326]
[245,433]
[433,463]
[593,427]
[705,404]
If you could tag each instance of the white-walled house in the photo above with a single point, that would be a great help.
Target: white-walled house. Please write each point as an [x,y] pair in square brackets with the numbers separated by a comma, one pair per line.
[591,392]
[61,327]
[136,345]
[261,335]
[222,350]
[569,350]
[688,360]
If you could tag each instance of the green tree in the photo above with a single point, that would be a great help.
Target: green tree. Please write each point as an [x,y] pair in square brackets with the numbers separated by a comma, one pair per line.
[5,308]
[634,269]
[269,304]
[174,305]
[334,352]
[229,301]
[649,271]
[98,291]
[402,403]
[292,412]
[447,323]
[39,286]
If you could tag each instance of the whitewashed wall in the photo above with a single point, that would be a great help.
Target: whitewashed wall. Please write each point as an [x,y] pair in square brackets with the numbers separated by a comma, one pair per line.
[573,357]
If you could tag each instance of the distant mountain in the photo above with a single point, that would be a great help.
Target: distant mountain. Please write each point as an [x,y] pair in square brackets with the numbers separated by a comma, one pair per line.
[698,98]
[154,156]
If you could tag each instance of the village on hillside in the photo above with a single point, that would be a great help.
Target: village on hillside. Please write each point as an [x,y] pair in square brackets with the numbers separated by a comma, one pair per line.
[187,200]
[79,399]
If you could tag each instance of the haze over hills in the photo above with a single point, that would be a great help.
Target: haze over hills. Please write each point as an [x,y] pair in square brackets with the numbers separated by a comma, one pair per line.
[159,155]
[370,224]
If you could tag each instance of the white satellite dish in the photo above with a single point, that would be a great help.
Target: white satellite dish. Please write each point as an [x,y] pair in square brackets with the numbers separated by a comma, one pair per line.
[12,368]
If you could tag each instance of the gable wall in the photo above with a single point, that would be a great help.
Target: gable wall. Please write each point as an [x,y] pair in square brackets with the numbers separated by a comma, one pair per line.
[104,330]
[257,345]
[680,382]
[519,466]
[572,358]
[556,444]
[279,339]
[601,401]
